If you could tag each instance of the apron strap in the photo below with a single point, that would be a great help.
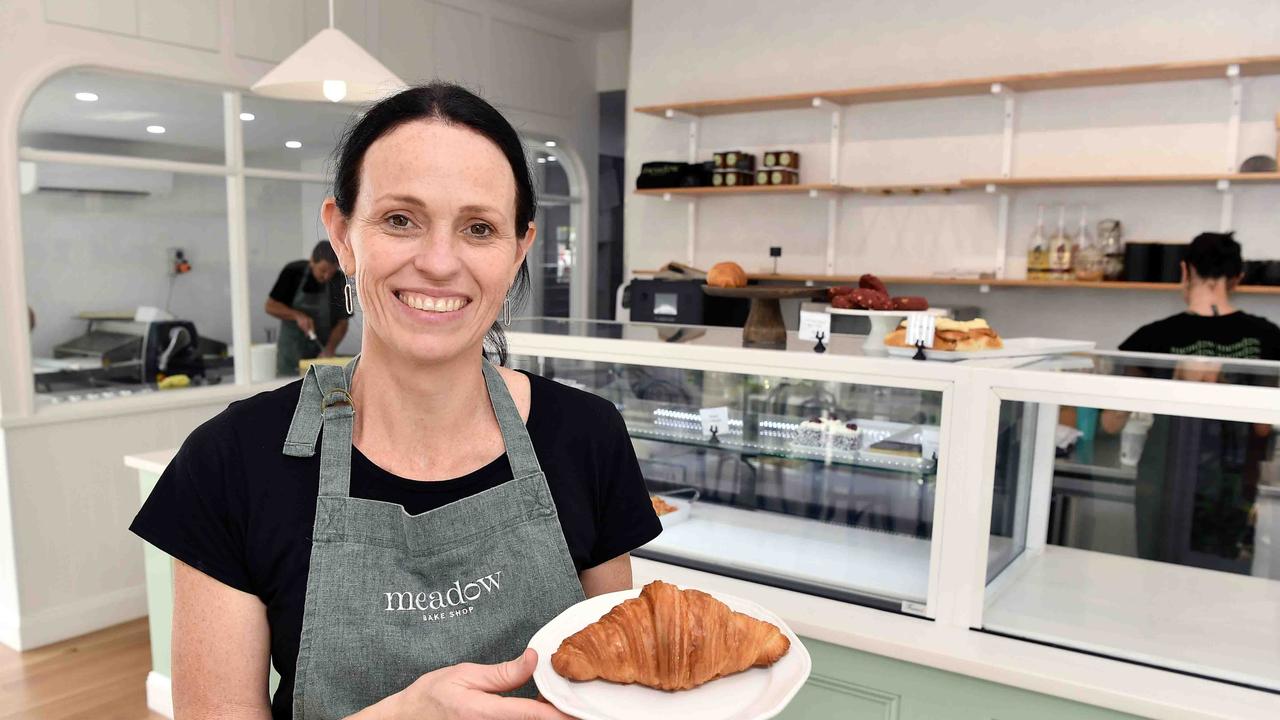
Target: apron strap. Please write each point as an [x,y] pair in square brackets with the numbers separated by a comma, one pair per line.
[325,401]
[524,461]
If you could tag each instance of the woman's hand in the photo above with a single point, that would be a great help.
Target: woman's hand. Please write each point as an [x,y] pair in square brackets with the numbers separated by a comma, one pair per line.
[468,691]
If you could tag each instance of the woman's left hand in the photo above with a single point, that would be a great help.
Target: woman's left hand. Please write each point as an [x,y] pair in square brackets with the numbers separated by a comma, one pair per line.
[469,691]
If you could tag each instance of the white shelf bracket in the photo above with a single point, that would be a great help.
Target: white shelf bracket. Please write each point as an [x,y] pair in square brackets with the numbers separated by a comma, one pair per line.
[837,123]
[1010,115]
[1228,206]
[692,209]
[1233,120]
[833,218]
[1002,236]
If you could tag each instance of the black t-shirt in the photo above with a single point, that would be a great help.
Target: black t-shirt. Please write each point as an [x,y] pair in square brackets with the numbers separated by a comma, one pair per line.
[231,505]
[299,271]
[1238,335]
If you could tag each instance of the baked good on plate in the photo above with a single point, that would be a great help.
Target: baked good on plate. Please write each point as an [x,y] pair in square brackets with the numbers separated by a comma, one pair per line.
[727,275]
[661,507]
[669,639]
[960,335]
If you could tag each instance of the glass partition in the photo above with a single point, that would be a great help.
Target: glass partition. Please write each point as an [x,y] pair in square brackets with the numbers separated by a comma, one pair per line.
[822,487]
[1147,538]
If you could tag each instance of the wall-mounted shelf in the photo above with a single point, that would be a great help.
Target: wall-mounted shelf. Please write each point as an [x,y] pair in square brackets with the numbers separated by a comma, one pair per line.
[1004,89]
[1118,180]
[1031,82]
[988,282]
[808,188]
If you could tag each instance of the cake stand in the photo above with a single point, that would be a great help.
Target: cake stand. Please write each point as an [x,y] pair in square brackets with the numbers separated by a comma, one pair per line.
[765,328]
[883,322]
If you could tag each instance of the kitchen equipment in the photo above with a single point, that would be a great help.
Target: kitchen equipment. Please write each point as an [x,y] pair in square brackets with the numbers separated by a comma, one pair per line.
[682,302]
[264,362]
[1038,250]
[1258,164]
[1089,261]
[1153,262]
[116,349]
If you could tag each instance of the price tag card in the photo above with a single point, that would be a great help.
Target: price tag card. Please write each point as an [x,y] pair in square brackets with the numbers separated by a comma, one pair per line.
[812,323]
[717,417]
[920,327]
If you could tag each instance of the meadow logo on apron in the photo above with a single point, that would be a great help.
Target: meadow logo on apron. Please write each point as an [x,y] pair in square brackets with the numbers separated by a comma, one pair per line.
[392,596]
[455,596]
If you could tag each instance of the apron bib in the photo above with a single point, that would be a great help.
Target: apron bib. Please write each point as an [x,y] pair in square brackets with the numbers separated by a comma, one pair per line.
[294,345]
[391,596]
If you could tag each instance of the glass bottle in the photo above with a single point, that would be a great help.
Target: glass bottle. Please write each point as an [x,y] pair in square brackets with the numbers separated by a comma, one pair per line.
[1060,250]
[1038,250]
[1111,242]
[1089,260]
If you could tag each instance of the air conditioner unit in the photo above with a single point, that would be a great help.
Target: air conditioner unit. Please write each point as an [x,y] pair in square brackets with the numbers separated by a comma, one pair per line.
[35,177]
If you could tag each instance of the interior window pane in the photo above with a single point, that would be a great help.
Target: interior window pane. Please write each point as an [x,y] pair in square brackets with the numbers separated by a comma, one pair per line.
[288,135]
[283,223]
[127,276]
[1149,538]
[128,115]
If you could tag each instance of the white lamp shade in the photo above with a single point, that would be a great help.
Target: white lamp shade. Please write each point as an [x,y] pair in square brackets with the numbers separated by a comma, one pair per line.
[329,56]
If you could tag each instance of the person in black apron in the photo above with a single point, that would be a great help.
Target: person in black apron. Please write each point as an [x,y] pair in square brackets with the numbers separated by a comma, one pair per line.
[403,614]
[308,299]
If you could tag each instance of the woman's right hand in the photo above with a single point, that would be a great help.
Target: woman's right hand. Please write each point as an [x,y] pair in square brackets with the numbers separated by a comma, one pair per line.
[468,691]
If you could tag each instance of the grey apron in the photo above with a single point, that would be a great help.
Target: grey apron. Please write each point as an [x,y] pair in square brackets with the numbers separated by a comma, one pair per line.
[294,345]
[391,596]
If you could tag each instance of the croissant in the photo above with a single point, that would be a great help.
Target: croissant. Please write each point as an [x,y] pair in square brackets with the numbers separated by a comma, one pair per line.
[670,639]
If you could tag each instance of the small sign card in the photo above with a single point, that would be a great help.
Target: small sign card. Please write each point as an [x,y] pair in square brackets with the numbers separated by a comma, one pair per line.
[717,417]
[812,323]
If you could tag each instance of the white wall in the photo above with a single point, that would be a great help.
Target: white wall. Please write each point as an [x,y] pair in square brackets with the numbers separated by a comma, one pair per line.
[717,49]
[613,60]
[59,487]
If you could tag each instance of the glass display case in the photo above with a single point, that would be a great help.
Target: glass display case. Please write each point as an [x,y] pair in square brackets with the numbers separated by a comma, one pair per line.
[1140,525]
[811,484]
[1098,525]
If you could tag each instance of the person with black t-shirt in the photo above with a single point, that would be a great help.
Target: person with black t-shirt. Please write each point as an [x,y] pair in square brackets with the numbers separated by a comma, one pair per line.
[308,299]
[1211,325]
[1197,479]
[391,534]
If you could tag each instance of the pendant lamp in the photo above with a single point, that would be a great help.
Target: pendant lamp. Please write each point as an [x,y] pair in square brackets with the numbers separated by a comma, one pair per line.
[330,66]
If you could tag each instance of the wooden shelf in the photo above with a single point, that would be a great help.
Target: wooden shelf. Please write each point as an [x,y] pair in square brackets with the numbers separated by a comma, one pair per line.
[799,189]
[1114,180]
[1031,82]
[990,282]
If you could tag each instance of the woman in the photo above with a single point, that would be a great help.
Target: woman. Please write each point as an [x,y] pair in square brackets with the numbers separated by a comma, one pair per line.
[388,574]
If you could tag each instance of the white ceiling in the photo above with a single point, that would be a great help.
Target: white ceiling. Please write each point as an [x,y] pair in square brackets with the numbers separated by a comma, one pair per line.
[594,15]
[191,115]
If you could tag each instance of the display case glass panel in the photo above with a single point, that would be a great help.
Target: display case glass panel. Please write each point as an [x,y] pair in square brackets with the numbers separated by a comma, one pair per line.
[823,487]
[1139,536]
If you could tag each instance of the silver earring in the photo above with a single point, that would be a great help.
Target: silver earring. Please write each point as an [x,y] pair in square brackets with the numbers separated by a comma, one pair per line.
[506,312]
[349,297]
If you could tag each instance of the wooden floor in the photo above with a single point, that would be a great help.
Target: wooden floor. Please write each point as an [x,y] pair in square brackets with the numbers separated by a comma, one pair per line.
[101,676]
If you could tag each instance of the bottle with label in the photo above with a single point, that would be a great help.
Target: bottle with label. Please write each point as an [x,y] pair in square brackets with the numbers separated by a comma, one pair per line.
[1038,250]
[1089,261]
[1060,249]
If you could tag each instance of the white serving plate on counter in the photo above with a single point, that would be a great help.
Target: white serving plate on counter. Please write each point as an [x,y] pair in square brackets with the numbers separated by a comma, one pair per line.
[1013,347]
[884,322]
[756,694]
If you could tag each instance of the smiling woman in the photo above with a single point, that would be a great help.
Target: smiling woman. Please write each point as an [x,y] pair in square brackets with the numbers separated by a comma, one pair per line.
[492,516]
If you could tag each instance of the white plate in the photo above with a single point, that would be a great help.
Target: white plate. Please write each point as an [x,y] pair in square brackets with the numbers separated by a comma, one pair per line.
[1013,347]
[939,312]
[755,694]
[681,513]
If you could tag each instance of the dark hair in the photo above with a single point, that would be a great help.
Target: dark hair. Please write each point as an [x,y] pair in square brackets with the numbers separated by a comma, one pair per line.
[457,106]
[323,252]
[1215,255]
